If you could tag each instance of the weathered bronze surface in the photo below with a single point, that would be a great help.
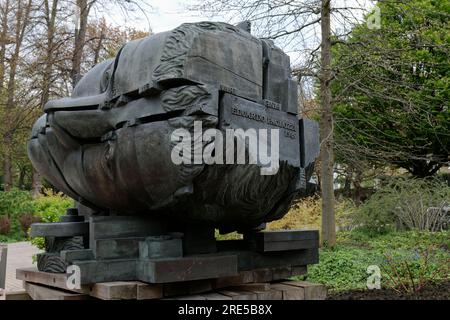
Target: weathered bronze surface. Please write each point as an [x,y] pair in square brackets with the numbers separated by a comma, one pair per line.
[109,145]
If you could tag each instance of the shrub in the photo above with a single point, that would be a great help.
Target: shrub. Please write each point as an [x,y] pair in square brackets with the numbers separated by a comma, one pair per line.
[227,236]
[405,204]
[15,202]
[26,220]
[343,268]
[410,275]
[425,254]
[5,225]
[22,210]
[50,207]
[306,213]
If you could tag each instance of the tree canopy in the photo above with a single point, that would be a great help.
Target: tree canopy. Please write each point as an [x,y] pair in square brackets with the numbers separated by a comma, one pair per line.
[391,88]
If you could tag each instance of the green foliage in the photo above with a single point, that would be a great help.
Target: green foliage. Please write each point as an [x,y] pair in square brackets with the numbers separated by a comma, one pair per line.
[17,203]
[344,267]
[38,242]
[411,274]
[227,236]
[50,208]
[392,88]
[13,204]
[405,203]
[307,213]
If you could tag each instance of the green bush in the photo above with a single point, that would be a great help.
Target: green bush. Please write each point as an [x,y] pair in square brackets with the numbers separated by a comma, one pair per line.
[404,204]
[49,208]
[13,204]
[344,267]
[18,204]
[409,273]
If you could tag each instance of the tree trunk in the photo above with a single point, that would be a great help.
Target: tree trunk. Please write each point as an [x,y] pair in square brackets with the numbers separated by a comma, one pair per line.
[358,196]
[3,41]
[50,18]
[22,19]
[98,48]
[326,130]
[7,163]
[36,184]
[80,39]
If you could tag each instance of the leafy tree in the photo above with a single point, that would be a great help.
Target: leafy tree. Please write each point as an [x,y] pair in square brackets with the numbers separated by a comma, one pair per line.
[391,88]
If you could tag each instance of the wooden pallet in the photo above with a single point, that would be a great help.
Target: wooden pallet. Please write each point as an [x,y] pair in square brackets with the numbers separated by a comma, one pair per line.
[254,285]
[15,295]
[129,290]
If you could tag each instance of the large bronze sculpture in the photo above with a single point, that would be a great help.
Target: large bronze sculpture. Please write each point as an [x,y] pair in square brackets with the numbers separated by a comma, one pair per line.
[110,146]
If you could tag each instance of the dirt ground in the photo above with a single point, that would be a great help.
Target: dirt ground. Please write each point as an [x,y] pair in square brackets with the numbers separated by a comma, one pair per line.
[440,291]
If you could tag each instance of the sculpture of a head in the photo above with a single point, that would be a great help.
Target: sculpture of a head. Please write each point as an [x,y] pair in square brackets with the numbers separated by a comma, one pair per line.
[115,145]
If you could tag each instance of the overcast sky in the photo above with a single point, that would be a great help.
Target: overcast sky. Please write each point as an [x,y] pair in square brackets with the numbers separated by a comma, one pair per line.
[163,15]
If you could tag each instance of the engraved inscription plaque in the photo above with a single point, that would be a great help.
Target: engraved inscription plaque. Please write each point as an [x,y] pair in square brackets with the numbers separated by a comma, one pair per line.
[239,113]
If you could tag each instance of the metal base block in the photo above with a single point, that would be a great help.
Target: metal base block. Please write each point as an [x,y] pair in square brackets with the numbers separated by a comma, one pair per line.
[121,248]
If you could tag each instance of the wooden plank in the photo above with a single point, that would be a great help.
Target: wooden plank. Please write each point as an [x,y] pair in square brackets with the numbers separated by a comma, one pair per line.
[117,290]
[58,280]
[39,292]
[191,297]
[313,291]
[289,292]
[263,275]
[280,273]
[239,294]
[271,294]
[146,291]
[216,296]
[251,287]
[241,278]
[187,287]
[17,295]
[126,290]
